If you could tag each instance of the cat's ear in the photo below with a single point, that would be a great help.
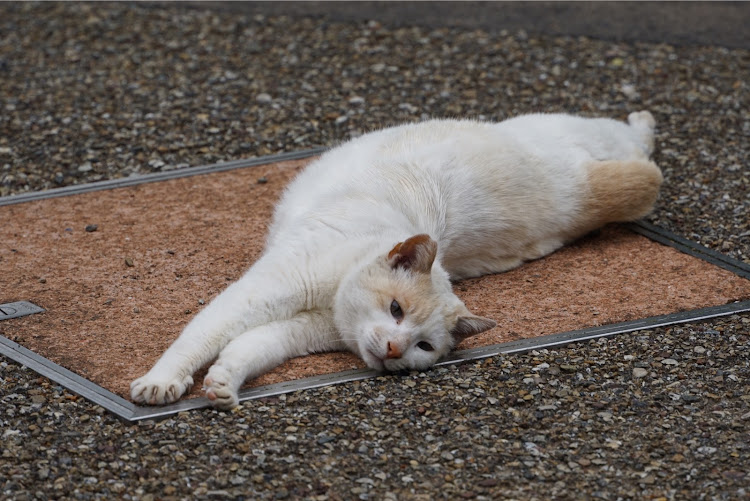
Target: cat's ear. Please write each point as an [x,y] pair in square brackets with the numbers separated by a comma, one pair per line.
[470,325]
[416,253]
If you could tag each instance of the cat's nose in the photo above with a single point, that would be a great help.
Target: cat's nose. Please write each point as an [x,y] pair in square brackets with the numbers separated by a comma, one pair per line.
[393,351]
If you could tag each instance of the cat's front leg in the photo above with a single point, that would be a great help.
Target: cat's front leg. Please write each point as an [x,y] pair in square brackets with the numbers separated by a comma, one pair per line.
[159,388]
[198,343]
[263,348]
[257,298]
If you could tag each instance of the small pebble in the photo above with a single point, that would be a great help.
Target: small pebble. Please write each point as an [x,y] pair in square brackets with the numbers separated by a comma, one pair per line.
[263,98]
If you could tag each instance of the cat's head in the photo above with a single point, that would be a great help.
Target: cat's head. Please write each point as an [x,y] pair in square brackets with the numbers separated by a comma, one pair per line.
[398,311]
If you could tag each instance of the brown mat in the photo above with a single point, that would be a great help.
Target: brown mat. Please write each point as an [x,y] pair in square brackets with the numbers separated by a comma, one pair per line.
[116,297]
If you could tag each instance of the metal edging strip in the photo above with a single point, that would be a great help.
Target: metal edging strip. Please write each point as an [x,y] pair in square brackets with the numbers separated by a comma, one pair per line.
[70,380]
[684,245]
[144,412]
[130,412]
[159,176]
[563,338]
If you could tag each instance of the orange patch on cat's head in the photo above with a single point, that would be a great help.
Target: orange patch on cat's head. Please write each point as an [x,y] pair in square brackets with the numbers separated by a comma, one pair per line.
[413,291]
[416,253]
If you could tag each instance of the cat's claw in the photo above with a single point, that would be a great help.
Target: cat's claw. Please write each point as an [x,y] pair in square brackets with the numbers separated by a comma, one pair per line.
[219,389]
[156,391]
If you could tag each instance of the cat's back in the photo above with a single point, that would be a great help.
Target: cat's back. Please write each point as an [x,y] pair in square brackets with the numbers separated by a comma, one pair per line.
[434,144]
[370,167]
[398,145]
[424,173]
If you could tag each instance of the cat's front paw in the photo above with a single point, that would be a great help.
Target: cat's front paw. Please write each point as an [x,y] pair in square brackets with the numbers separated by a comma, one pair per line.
[219,388]
[159,391]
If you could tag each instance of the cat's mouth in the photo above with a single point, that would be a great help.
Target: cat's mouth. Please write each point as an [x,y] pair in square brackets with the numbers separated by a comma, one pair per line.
[373,361]
[382,365]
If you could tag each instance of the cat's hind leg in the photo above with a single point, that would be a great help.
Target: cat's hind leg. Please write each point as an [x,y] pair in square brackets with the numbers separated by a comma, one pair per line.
[622,189]
[643,123]
[263,348]
[642,119]
[618,191]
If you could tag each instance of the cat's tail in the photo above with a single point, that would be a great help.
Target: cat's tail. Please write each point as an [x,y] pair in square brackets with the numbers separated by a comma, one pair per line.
[619,191]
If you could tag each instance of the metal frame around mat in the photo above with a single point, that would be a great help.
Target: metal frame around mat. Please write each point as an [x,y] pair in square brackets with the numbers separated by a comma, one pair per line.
[130,412]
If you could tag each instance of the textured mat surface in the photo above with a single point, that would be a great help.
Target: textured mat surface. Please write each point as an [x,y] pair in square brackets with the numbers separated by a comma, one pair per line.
[121,272]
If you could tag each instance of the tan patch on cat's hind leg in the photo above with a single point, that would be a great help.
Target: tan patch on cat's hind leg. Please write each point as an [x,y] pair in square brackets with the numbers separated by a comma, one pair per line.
[619,191]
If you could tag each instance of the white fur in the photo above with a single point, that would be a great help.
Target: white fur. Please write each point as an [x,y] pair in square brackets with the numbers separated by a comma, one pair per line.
[492,195]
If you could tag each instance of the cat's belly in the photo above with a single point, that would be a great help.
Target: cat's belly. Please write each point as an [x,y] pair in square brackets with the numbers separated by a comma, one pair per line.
[496,259]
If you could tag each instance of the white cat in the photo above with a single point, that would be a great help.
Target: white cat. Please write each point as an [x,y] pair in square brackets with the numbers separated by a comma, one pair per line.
[365,242]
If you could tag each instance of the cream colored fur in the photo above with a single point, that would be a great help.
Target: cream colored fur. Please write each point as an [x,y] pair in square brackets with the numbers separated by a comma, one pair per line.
[365,242]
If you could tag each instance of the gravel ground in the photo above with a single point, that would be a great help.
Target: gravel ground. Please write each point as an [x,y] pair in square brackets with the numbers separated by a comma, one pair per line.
[101,91]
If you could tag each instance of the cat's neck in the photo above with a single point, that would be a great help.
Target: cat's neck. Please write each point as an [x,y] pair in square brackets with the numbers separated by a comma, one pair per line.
[313,270]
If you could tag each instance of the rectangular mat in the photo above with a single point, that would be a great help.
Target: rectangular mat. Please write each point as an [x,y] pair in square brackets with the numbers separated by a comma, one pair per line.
[120,271]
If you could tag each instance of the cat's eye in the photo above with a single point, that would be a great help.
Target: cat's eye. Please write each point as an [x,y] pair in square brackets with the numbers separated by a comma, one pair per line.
[424,345]
[396,310]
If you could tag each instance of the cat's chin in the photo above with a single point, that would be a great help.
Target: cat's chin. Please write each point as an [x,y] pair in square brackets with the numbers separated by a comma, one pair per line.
[372,361]
[380,365]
